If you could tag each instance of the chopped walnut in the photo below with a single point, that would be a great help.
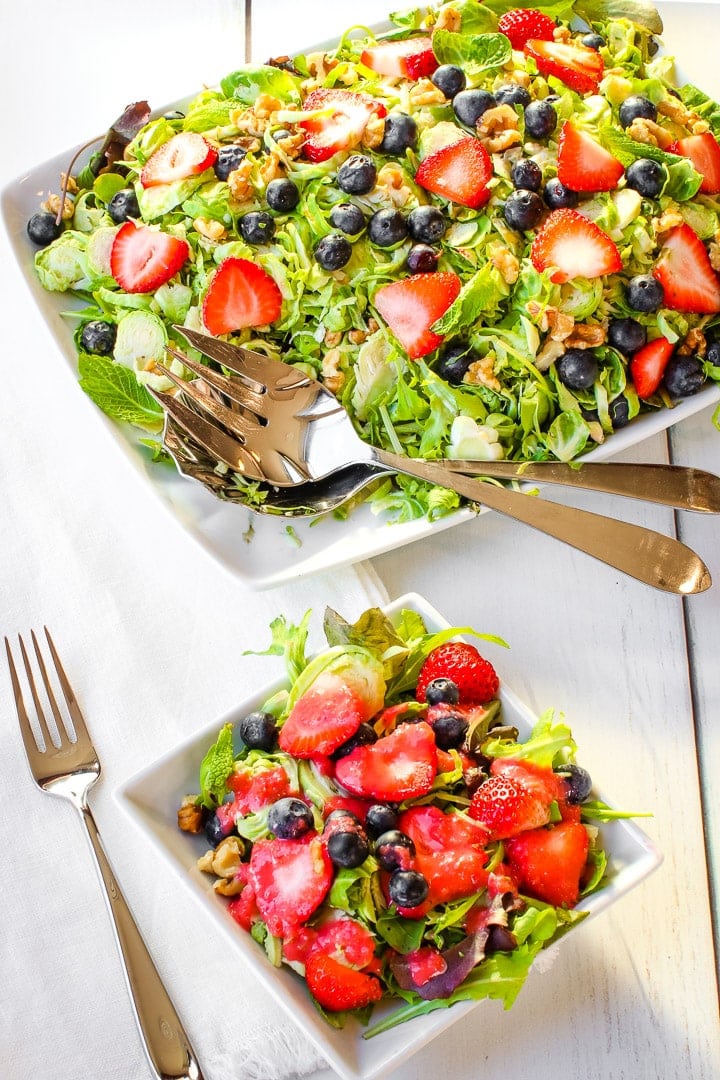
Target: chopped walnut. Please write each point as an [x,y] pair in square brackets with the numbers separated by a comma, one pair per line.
[650,133]
[503,260]
[204,863]
[239,181]
[679,113]
[694,343]
[255,119]
[226,857]
[333,377]
[449,18]
[373,325]
[291,145]
[52,205]
[586,336]
[562,34]
[668,220]
[391,180]
[265,105]
[68,182]
[229,886]
[714,254]
[272,168]
[497,129]
[374,132]
[482,373]
[207,227]
[189,816]
[356,337]
[332,338]
[425,92]
[557,322]
[548,354]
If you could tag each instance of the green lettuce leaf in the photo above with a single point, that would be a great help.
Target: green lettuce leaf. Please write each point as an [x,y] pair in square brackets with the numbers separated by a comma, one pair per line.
[248,82]
[550,739]
[473,52]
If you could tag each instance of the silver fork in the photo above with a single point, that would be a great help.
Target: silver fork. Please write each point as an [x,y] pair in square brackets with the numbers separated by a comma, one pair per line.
[68,766]
[271,422]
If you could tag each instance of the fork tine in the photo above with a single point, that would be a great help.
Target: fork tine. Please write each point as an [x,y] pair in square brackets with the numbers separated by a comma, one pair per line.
[78,720]
[246,363]
[237,423]
[236,390]
[31,747]
[40,712]
[59,721]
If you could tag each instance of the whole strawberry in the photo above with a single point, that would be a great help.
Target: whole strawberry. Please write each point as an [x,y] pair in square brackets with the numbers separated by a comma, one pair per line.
[522,24]
[474,676]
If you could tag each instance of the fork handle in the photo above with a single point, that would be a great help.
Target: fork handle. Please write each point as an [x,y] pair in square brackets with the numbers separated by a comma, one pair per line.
[165,1041]
[647,556]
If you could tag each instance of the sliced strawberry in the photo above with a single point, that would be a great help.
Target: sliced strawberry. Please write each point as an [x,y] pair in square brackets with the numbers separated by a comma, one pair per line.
[685,272]
[400,766]
[522,24]
[550,862]
[412,305]
[291,878]
[517,797]
[539,779]
[474,676]
[648,364]
[388,719]
[347,941]
[449,852]
[142,258]
[340,123]
[410,58]
[459,172]
[243,908]
[425,963]
[583,164]
[358,807]
[256,788]
[704,153]
[185,154]
[572,246]
[241,294]
[297,948]
[578,67]
[337,987]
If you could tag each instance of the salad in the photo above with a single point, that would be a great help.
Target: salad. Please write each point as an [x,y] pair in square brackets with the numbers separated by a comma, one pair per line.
[492,232]
[379,828]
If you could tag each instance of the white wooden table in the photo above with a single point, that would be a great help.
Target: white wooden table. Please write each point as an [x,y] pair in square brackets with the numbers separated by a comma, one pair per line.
[637,672]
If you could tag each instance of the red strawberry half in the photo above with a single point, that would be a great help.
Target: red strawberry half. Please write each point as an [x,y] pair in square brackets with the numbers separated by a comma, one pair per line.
[572,246]
[411,306]
[521,24]
[578,67]
[459,172]
[326,715]
[549,863]
[685,272]
[254,789]
[185,154]
[583,164]
[411,58]
[704,153]
[241,294]
[474,676]
[290,879]
[341,123]
[648,364]
[338,987]
[449,852]
[517,797]
[400,766]
[142,258]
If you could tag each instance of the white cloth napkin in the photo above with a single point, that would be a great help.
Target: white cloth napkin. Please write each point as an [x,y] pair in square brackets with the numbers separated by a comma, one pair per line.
[152,633]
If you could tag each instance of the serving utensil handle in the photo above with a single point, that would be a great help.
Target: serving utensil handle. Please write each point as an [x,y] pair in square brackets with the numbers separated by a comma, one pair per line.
[646,555]
[166,1043]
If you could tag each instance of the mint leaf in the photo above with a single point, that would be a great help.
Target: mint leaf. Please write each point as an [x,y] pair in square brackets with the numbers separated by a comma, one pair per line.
[473,52]
[215,768]
[116,390]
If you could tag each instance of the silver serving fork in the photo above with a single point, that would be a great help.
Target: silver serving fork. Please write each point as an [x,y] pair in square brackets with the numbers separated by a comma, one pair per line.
[68,766]
[271,422]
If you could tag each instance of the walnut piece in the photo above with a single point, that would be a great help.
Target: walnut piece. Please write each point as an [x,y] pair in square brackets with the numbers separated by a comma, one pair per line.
[226,857]
[694,343]
[189,816]
[586,336]
[374,132]
[503,260]
[391,180]
[482,373]
[449,18]
[239,181]
[229,886]
[425,92]
[497,129]
[650,133]
[209,228]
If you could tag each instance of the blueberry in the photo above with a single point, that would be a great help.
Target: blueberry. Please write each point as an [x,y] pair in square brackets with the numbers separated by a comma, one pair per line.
[540,119]
[216,829]
[426,224]
[626,335]
[646,177]
[348,848]
[400,134]
[258,730]
[469,105]
[42,228]
[619,412]
[526,174]
[450,730]
[387,228]
[228,159]
[577,369]
[357,175]
[644,293]
[290,818]
[523,210]
[348,218]
[123,206]
[713,352]
[98,337]
[449,79]
[282,195]
[394,850]
[512,94]
[684,376]
[442,691]
[558,197]
[257,227]
[455,361]
[422,259]
[408,888]
[333,251]
[364,736]
[634,107]
[578,780]
[593,41]
[380,818]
